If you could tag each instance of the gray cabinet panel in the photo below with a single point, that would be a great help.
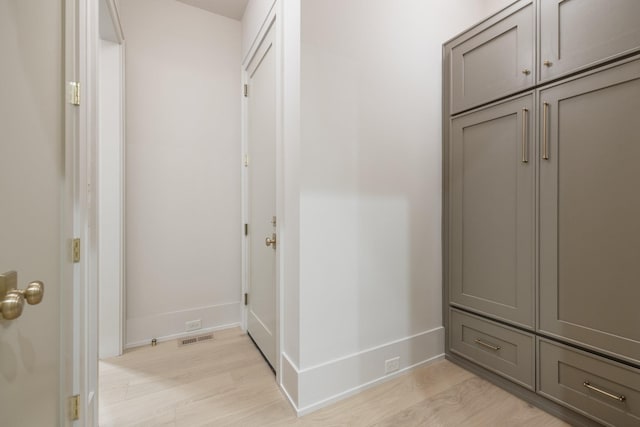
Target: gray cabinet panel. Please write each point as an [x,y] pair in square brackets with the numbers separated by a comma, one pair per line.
[504,350]
[495,62]
[575,34]
[590,211]
[607,391]
[492,211]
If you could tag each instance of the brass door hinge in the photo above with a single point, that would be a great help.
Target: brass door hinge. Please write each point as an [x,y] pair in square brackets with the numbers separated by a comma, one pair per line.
[246,160]
[74,407]
[246,91]
[246,229]
[75,251]
[246,299]
[74,93]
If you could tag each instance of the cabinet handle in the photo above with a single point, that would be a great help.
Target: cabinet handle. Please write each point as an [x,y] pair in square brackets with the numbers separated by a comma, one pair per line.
[525,139]
[484,344]
[588,385]
[545,142]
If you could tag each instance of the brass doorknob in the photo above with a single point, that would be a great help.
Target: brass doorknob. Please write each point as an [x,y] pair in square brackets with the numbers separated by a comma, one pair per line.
[271,241]
[547,63]
[526,71]
[11,306]
[12,299]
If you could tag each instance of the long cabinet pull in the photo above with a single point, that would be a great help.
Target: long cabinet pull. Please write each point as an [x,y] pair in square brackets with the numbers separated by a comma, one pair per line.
[545,142]
[525,139]
[620,398]
[484,344]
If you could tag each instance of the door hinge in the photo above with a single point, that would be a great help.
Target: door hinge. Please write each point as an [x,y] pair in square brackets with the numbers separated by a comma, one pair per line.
[246,229]
[246,91]
[75,251]
[74,407]
[74,93]
[246,160]
[246,299]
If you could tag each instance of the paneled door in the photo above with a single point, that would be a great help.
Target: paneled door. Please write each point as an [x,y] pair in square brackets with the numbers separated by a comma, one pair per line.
[590,210]
[261,172]
[35,329]
[492,211]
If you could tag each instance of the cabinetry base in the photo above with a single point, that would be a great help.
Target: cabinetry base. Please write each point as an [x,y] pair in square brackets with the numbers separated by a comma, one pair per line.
[528,396]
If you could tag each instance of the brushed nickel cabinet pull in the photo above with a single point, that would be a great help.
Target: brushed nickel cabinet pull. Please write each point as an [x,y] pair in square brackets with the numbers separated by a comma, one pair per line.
[588,385]
[484,344]
[525,139]
[545,142]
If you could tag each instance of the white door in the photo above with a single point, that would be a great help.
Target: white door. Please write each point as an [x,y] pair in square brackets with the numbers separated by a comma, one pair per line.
[261,117]
[35,369]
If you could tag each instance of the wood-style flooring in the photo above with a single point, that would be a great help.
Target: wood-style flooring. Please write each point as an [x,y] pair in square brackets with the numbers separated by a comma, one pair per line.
[225,382]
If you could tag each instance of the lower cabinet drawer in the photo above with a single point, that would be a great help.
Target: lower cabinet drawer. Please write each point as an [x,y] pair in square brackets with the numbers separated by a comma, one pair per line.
[503,350]
[604,390]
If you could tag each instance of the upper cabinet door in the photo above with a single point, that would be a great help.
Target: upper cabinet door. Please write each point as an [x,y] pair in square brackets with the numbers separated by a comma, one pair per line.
[575,35]
[495,59]
[492,211]
[590,210]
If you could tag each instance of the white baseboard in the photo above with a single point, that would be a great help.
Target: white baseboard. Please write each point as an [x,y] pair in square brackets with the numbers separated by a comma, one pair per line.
[168,326]
[312,388]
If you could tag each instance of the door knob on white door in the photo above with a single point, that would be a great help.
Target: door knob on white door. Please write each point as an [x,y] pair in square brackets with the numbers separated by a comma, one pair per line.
[271,241]
[12,299]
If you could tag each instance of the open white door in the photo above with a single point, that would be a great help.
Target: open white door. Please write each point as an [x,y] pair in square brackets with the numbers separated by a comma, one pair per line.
[36,192]
[261,179]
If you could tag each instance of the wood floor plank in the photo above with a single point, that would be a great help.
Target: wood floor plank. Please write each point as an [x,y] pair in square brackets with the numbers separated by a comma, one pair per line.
[226,382]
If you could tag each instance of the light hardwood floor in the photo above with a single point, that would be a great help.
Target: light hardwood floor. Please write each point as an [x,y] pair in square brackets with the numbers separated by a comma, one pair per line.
[225,382]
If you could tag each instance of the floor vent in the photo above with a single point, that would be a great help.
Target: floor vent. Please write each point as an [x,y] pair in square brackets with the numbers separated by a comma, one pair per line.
[194,340]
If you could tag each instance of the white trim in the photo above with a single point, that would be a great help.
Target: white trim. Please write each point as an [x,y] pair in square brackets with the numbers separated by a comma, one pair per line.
[358,389]
[183,335]
[141,329]
[322,384]
[368,350]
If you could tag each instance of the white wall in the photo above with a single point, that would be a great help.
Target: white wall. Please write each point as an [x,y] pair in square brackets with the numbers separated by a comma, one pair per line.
[370,201]
[183,177]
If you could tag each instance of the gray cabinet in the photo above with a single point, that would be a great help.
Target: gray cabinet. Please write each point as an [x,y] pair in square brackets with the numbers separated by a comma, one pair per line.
[576,34]
[590,210]
[494,60]
[492,174]
[541,201]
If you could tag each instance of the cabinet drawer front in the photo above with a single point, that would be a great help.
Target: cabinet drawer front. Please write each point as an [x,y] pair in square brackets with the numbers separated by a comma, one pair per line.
[580,33]
[495,62]
[604,390]
[504,350]
[492,211]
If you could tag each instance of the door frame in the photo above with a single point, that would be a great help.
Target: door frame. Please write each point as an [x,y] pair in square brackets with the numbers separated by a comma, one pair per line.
[108,14]
[273,19]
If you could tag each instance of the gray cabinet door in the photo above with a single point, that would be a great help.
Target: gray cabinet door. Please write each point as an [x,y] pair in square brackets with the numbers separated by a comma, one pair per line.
[590,210]
[575,34]
[495,62]
[492,211]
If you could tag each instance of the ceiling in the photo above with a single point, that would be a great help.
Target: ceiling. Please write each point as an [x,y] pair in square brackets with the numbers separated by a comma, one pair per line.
[233,9]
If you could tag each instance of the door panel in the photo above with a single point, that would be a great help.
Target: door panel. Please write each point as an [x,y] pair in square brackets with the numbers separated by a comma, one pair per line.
[32,178]
[492,201]
[494,63]
[573,34]
[261,320]
[589,229]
